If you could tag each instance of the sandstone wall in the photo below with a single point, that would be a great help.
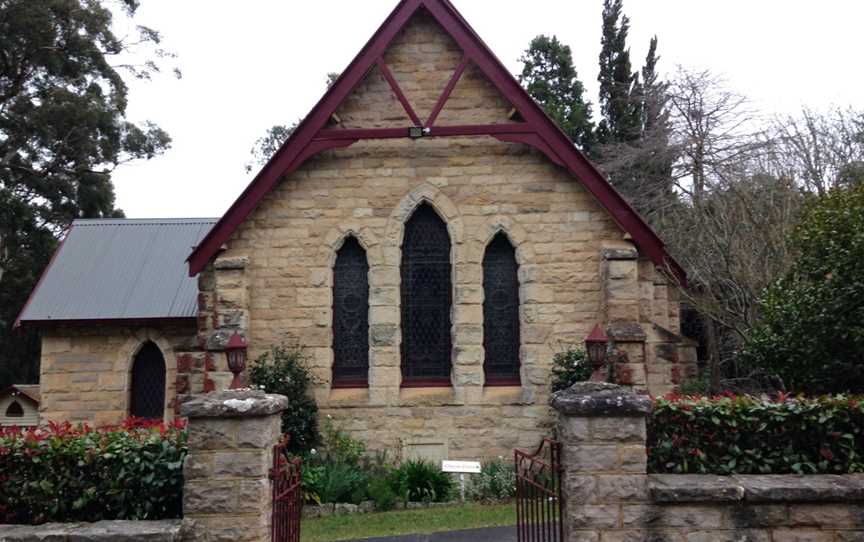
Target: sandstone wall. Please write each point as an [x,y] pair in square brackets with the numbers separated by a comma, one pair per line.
[85,372]
[609,496]
[276,275]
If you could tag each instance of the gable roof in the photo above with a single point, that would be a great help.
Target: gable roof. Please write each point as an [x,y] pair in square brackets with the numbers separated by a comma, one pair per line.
[28,391]
[312,136]
[119,270]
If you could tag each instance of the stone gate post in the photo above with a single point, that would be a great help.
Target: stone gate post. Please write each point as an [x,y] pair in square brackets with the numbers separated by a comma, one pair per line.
[227,487]
[602,429]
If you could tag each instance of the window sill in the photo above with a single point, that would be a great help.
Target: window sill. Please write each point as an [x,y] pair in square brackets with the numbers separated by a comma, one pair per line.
[350,385]
[427,383]
[504,383]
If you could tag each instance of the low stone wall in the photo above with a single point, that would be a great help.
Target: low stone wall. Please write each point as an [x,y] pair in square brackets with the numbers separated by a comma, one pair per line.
[610,497]
[104,531]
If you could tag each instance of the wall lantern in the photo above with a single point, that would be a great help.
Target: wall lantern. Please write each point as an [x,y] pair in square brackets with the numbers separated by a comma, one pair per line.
[595,345]
[236,351]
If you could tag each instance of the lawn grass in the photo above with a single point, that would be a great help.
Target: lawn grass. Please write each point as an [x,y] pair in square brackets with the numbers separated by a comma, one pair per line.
[428,520]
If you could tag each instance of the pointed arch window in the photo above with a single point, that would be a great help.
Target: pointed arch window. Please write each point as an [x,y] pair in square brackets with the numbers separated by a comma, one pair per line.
[426,300]
[15,410]
[351,316]
[147,397]
[501,313]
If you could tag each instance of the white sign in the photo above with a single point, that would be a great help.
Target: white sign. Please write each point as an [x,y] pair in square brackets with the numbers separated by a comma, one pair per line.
[464,467]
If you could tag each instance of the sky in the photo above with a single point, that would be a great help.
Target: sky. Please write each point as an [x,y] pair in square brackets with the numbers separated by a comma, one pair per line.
[252,64]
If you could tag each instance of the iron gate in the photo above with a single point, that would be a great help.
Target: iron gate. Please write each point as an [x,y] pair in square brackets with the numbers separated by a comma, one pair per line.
[539,507]
[287,496]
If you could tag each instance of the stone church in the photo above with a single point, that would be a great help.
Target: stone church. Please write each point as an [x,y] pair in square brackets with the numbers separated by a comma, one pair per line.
[427,234]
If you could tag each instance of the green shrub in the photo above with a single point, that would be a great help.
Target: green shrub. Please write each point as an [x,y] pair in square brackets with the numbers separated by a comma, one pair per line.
[496,482]
[338,447]
[382,493]
[65,473]
[421,481]
[339,483]
[569,367]
[745,435]
[283,370]
[812,335]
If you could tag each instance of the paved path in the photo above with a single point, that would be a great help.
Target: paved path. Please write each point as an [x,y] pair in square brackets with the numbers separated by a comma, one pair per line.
[496,534]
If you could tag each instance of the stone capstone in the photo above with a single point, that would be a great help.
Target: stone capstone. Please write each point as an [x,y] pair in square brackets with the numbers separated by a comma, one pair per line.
[600,399]
[683,488]
[234,404]
[103,531]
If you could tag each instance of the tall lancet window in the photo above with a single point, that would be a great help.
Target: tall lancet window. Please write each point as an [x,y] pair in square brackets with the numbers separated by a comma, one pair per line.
[147,397]
[426,300]
[501,313]
[351,316]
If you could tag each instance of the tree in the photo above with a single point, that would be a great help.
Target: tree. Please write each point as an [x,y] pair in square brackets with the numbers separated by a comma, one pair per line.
[821,150]
[619,85]
[713,128]
[550,78]
[642,168]
[62,133]
[813,330]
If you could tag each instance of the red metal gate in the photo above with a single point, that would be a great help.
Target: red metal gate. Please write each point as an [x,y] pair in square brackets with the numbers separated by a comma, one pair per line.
[539,507]
[287,496]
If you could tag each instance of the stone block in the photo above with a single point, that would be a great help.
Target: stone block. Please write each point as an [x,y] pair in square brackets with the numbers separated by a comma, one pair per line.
[621,488]
[618,430]
[803,535]
[593,516]
[591,458]
[828,514]
[681,516]
[212,435]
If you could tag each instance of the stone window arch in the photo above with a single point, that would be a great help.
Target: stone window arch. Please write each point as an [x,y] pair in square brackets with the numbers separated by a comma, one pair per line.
[15,410]
[426,299]
[351,316]
[147,390]
[501,329]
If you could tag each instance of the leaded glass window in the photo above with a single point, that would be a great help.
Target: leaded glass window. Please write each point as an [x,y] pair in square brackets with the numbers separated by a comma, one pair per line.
[147,398]
[501,313]
[351,316]
[426,300]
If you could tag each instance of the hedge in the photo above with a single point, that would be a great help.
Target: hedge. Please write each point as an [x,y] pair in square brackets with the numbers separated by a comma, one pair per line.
[65,473]
[746,435]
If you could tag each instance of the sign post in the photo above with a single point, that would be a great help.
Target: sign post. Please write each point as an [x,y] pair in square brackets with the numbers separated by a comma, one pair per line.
[462,468]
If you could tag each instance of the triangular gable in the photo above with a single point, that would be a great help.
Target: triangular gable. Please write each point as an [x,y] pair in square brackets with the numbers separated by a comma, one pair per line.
[315,134]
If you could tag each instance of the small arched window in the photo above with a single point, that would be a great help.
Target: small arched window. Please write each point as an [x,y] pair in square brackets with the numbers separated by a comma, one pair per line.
[426,300]
[501,313]
[15,410]
[147,397]
[351,316]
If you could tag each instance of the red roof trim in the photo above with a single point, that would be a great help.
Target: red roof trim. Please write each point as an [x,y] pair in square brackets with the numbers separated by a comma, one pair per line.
[538,131]
[42,277]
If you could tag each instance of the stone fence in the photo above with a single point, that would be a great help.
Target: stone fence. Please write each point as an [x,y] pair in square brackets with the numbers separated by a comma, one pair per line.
[610,497]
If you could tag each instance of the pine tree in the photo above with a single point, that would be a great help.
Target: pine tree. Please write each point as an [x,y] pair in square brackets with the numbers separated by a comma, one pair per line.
[550,78]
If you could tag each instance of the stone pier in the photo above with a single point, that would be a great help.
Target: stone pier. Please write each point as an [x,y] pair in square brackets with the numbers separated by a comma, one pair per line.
[231,438]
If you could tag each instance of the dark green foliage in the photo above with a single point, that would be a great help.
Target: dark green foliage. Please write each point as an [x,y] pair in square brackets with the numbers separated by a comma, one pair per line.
[335,483]
[68,474]
[550,78]
[283,371]
[744,435]
[421,481]
[62,132]
[496,482]
[812,335]
[619,85]
[569,367]
[382,493]
[265,147]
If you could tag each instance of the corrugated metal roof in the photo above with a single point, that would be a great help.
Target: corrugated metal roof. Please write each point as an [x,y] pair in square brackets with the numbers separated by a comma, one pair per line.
[120,269]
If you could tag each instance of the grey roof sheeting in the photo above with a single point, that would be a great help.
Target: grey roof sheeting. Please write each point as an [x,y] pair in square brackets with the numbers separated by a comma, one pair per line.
[120,269]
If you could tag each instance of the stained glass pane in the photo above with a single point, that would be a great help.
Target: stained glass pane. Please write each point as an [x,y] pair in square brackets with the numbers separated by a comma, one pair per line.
[351,315]
[501,312]
[148,384]
[426,298]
